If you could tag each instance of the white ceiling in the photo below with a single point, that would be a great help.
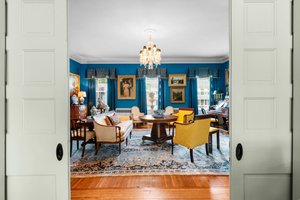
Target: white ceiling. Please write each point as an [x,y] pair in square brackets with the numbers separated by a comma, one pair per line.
[113,31]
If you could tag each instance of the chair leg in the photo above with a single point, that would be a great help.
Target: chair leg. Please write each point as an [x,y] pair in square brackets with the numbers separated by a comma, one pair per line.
[130,134]
[192,155]
[77,144]
[126,141]
[206,148]
[96,148]
[218,140]
[210,143]
[172,146]
[120,148]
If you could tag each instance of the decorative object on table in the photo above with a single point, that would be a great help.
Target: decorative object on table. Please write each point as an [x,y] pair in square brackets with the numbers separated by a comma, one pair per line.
[177,95]
[176,80]
[152,100]
[150,159]
[74,99]
[81,96]
[127,87]
[74,84]
[150,55]
[93,111]
[158,114]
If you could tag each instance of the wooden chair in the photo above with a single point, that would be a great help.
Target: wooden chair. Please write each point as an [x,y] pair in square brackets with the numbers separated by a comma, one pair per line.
[79,132]
[192,134]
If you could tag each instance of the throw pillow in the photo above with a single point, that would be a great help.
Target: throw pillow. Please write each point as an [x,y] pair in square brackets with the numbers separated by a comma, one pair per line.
[114,119]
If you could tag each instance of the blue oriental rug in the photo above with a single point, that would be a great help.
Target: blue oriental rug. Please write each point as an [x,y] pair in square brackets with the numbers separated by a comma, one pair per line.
[148,158]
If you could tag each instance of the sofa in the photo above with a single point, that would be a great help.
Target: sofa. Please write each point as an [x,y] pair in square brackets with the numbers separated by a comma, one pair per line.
[108,132]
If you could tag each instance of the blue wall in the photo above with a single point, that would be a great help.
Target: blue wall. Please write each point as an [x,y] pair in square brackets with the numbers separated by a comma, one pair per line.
[131,69]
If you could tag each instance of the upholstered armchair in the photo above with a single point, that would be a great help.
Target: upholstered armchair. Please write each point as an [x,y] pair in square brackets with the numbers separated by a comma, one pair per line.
[135,115]
[185,115]
[169,110]
[192,134]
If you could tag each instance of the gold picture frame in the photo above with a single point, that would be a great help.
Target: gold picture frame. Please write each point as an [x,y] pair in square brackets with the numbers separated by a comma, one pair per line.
[74,84]
[127,87]
[177,80]
[177,95]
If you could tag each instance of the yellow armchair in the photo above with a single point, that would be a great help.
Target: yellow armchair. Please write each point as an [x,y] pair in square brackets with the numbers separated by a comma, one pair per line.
[185,115]
[192,135]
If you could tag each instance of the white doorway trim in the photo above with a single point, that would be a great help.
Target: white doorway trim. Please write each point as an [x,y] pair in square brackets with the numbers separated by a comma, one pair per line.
[296,110]
[2,99]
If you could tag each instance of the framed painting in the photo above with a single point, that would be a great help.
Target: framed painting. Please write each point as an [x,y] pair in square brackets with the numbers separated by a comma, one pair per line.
[176,80]
[127,87]
[177,95]
[74,84]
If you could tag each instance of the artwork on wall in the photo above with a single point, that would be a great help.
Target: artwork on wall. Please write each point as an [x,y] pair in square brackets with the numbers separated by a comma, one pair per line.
[177,95]
[177,80]
[74,84]
[126,87]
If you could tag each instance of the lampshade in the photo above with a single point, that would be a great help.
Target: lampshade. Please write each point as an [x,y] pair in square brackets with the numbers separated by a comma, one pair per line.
[81,94]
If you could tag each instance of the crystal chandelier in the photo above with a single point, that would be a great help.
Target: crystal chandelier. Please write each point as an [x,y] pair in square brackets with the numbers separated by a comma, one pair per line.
[150,55]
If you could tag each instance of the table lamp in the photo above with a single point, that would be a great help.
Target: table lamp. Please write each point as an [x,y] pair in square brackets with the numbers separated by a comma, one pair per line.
[81,96]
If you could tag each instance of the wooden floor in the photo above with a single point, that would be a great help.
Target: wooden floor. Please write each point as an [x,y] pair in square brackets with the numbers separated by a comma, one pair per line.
[151,187]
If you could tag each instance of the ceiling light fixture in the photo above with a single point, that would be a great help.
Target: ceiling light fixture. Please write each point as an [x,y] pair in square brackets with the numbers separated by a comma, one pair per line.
[150,55]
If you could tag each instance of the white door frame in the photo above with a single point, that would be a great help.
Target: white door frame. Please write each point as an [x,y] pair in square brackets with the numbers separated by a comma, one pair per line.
[2,99]
[296,113]
[296,101]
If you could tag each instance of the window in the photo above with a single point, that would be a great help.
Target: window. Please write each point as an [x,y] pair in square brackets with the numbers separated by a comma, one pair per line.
[152,94]
[101,90]
[203,87]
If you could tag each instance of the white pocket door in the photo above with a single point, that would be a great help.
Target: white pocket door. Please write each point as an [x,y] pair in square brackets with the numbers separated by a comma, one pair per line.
[37,100]
[261,100]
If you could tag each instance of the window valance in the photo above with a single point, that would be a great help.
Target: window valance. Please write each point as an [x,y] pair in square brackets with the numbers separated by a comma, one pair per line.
[142,72]
[203,72]
[101,73]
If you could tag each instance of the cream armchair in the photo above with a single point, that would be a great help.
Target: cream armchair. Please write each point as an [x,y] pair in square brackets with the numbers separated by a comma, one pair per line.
[135,115]
[110,134]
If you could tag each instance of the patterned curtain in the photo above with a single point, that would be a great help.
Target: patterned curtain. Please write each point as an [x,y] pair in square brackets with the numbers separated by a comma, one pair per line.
[193,93]
[112,93]
[101,73]
[211,91]
[142,99]
[161,72]
[203,72]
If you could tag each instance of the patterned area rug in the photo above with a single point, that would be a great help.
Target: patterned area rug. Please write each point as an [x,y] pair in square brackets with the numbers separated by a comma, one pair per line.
[147,158]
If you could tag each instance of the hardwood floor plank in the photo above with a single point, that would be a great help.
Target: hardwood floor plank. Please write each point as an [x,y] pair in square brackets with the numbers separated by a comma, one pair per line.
[151,187]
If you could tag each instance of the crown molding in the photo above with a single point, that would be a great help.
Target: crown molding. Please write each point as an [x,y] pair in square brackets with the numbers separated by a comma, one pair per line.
[82,60]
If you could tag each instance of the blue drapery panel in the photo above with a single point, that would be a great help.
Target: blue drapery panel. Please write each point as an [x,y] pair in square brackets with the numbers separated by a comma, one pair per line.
[101,73]
[92,93]
[162,85]
[144,72]
[193,93]
[211,91]
[112,93]
[203,72]
[142,99]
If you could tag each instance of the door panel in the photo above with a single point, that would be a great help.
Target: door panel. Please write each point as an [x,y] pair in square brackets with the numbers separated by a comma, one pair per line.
[261,92]
[37,96]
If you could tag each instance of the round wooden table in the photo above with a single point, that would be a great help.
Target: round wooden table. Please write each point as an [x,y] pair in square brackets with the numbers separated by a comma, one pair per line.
[158,132]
